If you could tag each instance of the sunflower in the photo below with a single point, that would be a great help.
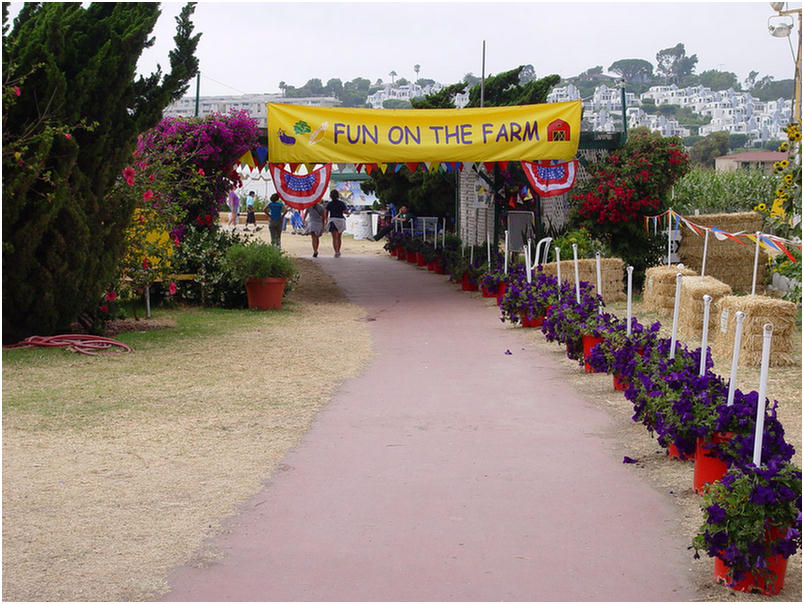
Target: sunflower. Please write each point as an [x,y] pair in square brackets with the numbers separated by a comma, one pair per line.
[788,179]
[785,146]
[760,207]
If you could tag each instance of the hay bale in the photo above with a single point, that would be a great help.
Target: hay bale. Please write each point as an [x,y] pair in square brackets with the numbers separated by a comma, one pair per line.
[659,290]
[691,306]
[611,275]
[758,311]
[727,260]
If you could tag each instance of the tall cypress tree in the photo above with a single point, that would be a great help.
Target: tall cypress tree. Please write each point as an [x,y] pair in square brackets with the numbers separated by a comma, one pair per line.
[72,110]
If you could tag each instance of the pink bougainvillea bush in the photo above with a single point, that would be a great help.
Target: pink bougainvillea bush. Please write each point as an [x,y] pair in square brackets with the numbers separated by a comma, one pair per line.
[191,161]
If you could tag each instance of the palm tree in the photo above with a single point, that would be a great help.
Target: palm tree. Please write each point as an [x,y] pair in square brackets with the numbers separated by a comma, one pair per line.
[283,87]
[416,68]
[393,75]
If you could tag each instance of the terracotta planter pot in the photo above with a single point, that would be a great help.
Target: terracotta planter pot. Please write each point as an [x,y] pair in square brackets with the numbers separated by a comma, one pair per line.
[265,294]
[708,466]
[589,342]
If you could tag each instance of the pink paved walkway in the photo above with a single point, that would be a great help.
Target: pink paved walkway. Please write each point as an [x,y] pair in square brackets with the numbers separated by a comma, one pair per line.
[447,471]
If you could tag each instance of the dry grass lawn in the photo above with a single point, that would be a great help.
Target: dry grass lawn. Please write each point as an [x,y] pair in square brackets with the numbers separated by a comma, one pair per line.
[117,468]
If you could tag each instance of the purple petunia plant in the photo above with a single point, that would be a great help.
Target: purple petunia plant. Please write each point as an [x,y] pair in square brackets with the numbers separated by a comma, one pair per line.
[618,353]
[527,299]
[751,514]
[568,319]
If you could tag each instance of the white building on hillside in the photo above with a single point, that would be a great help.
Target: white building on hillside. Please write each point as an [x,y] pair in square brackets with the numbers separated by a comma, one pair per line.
[253,103]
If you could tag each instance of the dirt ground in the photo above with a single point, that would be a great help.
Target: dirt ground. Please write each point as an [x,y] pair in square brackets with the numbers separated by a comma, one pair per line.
[101,507]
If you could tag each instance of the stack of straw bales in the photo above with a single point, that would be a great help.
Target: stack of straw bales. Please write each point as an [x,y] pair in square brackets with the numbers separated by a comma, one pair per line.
[758,311]
[726,260]
[659,290]
[611,275]
[691,306]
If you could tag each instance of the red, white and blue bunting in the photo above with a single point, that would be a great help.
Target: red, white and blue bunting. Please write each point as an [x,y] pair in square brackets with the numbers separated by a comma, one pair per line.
[552,177]
[301,191]
[767,241]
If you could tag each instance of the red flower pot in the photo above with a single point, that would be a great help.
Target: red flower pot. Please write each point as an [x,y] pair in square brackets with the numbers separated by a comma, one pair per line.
[420,259]
[767,585]
[619,384]
[401,254]
[393,251]
[501,291]
[265,294]
[547,310]
[674,453]
[411,256]
[708,466]
[486,293]
[467,284]
[534,322]
[589,342]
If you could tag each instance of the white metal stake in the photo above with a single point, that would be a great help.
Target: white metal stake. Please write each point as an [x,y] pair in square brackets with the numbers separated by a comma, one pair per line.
[597,275]
[147,301]
[767,333]
[577,280]
[707,300]
[630,271]
[675,317]
[669,223]
[739,317]
[527,261]
[706,245]
[756,262]
[558,270]
[488,248]
[472,254]
[505,261]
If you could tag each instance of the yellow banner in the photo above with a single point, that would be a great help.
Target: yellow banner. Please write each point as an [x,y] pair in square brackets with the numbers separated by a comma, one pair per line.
[298,134]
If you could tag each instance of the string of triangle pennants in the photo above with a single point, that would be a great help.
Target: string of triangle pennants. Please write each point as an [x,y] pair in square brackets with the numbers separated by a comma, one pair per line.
[258,158]
[674,220]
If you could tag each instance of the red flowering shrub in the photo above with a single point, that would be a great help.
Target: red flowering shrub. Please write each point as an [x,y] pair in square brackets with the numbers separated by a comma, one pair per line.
[629,184]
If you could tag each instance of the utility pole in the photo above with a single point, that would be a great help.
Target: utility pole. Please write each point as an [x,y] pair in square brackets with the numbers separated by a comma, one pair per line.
[197,90]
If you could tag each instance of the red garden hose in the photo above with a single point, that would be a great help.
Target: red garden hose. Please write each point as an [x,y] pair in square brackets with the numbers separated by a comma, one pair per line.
[77,342]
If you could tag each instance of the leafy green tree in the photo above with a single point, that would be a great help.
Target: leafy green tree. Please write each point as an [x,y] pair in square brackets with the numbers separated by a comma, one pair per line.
[334,87]
[633,70]
[719,80]
[396,104]
[673,63]
[65,65]
[767,89]
[705,151]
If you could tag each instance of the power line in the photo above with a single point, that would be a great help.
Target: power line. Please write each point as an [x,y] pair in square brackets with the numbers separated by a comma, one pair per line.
[206,77]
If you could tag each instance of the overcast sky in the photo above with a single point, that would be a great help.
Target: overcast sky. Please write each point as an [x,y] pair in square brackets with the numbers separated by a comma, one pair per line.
[250,47]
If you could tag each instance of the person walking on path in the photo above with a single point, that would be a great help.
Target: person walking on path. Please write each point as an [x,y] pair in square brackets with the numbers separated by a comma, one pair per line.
[336,220]
[314,216]
[276,211]
[234,206]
